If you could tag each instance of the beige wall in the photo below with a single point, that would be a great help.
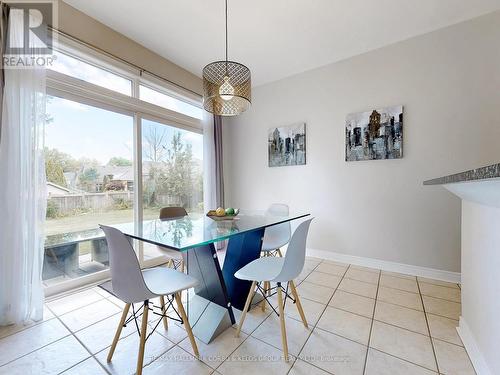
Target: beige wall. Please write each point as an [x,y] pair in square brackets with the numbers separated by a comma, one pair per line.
[89,30]
[449,84]
[479,324]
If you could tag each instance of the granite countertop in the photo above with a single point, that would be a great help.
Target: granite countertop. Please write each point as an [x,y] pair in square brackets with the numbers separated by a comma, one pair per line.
[483,173]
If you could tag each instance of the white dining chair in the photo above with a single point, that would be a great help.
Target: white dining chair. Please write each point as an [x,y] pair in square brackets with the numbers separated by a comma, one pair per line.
[279,270]
[275,237]
[132,285]
[175,259]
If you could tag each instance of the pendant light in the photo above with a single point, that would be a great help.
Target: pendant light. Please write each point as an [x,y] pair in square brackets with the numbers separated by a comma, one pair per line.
[227,87]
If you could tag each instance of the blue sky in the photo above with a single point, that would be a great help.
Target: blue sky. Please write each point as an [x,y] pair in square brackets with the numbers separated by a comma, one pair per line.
[85,131]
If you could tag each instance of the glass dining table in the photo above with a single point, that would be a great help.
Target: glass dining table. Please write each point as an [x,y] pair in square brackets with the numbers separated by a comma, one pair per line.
[210,307]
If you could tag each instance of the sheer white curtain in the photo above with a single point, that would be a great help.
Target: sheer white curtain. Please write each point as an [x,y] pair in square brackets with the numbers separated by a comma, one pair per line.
[22,193]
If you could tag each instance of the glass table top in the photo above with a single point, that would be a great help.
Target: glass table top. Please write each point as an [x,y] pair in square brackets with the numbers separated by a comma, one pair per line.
[187,232]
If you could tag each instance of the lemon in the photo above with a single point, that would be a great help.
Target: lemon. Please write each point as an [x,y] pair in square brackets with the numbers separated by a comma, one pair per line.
[220,211]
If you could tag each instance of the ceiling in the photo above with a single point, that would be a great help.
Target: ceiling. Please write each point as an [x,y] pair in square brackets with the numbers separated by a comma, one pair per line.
[276,38]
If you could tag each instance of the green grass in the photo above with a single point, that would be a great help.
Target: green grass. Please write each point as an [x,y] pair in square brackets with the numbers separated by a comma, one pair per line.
[90,220]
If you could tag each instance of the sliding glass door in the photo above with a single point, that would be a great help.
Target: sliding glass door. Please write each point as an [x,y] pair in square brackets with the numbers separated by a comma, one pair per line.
[90,181]
[172,171]
[119,146]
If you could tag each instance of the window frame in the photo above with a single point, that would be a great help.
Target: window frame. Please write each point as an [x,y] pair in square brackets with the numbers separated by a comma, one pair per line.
[75,89]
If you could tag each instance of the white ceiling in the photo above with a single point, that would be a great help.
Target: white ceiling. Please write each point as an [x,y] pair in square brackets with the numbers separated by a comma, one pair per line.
[276,38]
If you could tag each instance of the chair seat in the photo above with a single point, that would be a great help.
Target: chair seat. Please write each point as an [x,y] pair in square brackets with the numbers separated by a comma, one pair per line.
[174,254]
[270,243]
[165,281]
[262,269]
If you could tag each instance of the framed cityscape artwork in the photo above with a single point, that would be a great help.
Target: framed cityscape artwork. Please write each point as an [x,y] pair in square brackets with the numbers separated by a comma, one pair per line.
[375,134]
[287,145]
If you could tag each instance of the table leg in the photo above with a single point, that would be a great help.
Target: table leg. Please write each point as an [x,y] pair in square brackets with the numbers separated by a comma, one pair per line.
[209,309]
[241,250]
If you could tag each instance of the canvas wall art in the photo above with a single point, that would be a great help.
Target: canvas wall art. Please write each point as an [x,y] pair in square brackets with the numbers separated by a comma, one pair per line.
[287,145]
[375,134]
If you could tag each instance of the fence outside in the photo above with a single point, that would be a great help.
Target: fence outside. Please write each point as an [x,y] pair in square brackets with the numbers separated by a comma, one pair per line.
[68,204]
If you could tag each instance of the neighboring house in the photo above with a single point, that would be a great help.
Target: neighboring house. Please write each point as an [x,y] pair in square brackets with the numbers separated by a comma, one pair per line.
[54,189]
[115,177]
[71,180]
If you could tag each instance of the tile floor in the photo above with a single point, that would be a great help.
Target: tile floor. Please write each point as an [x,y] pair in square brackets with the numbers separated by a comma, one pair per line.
[362,321]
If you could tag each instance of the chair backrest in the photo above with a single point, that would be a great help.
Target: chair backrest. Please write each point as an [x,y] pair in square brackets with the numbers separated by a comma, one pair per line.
[126,275]
[172,212]
[278,234]
[295,254]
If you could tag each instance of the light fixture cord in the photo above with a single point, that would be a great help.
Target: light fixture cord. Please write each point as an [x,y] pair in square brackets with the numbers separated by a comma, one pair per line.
[226,31]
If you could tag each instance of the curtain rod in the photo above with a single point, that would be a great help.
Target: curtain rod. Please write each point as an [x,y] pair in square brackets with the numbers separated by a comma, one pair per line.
[141,70]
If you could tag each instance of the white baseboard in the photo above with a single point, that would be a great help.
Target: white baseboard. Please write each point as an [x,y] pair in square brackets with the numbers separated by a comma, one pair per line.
[472,348]
[452,277]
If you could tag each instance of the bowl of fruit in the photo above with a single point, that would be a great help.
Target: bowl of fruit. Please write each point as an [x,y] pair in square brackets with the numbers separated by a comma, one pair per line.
[223,213]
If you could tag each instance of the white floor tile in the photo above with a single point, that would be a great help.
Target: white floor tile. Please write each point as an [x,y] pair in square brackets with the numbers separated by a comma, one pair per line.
[175,332]
[362,268]
[443,292]
[303,368]
[332,269]
[30,339]
[125,357]
[399,342]
[444,329]
[270,332]
[408,285]
[14,328]
[354,303]
[403,317]
[323,279]
[179,362]
[379,363]
[358,287]
[315,292]
[218,350]
[255,357]
[100,335]
[90,314]
[51,359]
[360,275]
[441,307]
[346,324]
[437,282]
[452,359]
[88,367]
[334,354]
[400,297]
[397,274]
[312,310]
[253,318]
[74,301]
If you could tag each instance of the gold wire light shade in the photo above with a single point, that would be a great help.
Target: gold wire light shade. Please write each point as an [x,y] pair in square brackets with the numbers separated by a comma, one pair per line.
[227,88]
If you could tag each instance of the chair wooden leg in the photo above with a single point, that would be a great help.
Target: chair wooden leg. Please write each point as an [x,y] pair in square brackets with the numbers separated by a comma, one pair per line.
[245,309]
[118,331]
[170,263]
[279,253]
[297,302]
[186,324]
[282,322]
[266,291]
[182,266]
[142,341]
[266,286]
[164,312]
